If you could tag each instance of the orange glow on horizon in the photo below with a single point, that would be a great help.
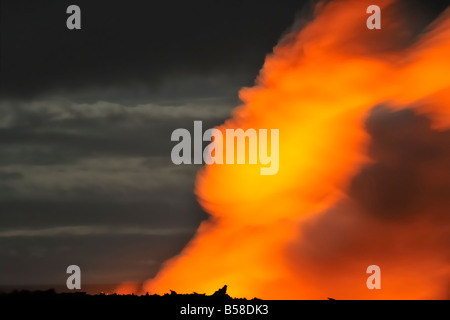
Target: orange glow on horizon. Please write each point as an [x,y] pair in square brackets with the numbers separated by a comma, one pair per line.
[127,288]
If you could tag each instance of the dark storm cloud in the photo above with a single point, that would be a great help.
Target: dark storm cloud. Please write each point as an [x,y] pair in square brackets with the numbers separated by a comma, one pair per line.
[85,124]
[134,42]
[163,207]
[5,176]
[103,259]
[58,131]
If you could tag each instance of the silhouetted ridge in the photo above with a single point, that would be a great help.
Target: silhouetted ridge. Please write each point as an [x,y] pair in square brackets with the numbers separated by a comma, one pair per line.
[220,294]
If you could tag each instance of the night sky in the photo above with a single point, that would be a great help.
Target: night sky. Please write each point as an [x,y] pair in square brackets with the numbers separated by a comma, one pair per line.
[85,122]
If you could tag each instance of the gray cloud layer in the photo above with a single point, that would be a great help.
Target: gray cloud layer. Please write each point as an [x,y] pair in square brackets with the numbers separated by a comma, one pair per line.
[95,171]
[91,231]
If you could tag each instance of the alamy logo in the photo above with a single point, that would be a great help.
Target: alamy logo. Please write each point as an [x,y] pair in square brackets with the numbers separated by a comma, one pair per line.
[73,22]
[230,149]
[74,280]
[374,281]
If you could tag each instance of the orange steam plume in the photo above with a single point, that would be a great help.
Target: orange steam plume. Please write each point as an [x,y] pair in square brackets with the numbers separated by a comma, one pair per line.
[317,88]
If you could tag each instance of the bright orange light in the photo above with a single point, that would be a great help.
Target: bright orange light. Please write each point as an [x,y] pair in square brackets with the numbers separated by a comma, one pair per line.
[317,89]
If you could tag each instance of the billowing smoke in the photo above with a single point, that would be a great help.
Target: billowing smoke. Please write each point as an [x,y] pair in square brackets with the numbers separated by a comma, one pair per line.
[363,117]
[396,215]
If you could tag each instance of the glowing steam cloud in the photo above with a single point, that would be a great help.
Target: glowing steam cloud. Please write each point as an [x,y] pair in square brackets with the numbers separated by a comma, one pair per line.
[300,234]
